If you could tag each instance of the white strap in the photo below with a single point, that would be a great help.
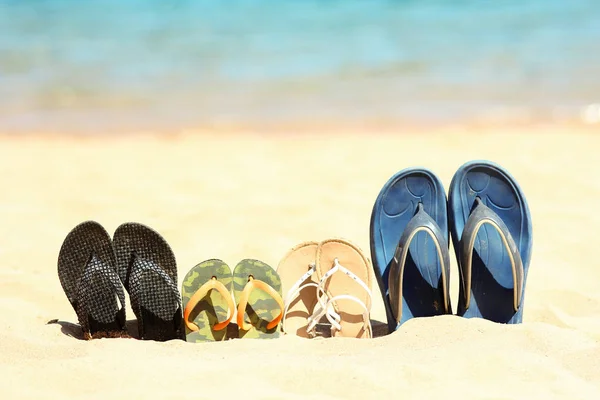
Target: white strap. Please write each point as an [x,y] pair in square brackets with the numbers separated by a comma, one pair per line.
[335,319]
[320,309]
[296,288]
[339,267]
[295,291]
[325,304]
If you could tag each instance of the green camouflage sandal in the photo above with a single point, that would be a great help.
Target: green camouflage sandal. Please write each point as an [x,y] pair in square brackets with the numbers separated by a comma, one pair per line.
[206,295]
[257,292]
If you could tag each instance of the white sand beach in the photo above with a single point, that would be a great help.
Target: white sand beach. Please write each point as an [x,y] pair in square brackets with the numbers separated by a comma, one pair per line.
[241,195]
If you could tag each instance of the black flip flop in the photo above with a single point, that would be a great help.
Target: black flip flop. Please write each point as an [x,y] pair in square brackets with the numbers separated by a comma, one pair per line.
[88,275]
[147,267]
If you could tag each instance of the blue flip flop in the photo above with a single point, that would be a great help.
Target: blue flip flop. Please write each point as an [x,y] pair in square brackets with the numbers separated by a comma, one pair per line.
[409,246]
[490,224]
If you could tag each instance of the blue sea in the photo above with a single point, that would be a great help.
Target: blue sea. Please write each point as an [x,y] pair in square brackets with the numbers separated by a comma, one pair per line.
[121,65]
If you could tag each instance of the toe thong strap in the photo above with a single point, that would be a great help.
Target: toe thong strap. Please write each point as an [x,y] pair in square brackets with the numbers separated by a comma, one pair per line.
[212,284]
[254,284]
[421,222]
[481,215]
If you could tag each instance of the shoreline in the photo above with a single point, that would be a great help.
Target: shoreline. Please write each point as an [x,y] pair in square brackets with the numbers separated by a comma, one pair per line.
[310,130]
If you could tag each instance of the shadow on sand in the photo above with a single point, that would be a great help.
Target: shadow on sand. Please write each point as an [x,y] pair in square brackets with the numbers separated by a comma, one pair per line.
[74,330]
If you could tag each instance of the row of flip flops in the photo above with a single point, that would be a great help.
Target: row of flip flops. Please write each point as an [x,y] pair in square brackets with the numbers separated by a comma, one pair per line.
[489,220]
[328,281]
[314,277]
[95,270]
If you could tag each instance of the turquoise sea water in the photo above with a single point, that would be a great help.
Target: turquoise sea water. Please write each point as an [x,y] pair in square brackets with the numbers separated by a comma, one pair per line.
[95,66]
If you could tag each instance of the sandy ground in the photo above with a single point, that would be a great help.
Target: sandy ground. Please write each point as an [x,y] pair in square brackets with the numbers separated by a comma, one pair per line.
[245,195]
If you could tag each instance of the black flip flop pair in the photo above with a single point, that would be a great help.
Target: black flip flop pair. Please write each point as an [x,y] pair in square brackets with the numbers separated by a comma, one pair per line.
[488,218]
[93,269]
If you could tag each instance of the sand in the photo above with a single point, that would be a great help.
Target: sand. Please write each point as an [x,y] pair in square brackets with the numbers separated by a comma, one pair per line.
[245,195]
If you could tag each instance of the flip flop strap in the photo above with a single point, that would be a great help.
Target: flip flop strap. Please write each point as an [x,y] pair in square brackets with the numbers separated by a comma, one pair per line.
[420,222]
[319,310]
[296,289]
[334,318]
[326,307]
[137,268]
[339,267]
[287,306]
[212,284]
[94,264]
[245,296]
[484,215]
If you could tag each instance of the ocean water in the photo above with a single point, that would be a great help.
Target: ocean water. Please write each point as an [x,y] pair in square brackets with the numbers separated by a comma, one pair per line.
[100,66]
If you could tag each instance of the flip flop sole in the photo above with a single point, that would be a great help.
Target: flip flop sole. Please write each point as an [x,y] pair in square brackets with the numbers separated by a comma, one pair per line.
[87,273]
[491,294]
[395,206]
[261,308]
[147,266]
[213,307]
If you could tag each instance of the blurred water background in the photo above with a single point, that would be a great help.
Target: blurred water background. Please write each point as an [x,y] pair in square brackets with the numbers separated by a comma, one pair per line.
[104,66]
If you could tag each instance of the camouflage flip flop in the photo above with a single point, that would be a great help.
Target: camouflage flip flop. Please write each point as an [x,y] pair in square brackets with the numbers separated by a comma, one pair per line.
[87,273]
[147,267]
[257,292]
[206,295]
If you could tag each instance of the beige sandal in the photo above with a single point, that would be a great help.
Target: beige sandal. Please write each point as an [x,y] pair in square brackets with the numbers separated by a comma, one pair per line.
[299,284]
[344,290]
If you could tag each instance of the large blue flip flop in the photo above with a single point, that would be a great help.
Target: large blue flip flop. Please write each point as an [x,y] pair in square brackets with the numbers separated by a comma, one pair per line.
[491,230]
[409,246]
